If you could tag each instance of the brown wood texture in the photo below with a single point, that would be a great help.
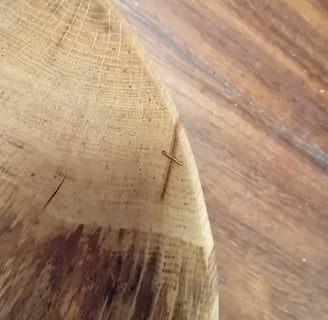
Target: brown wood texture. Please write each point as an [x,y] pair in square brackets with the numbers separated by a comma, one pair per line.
[102,214]
[250,79]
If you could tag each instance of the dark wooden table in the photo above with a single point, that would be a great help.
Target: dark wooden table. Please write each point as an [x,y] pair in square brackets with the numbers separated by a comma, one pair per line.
[250,79]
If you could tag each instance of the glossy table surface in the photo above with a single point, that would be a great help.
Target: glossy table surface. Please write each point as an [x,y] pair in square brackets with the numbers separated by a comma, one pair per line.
[250,79]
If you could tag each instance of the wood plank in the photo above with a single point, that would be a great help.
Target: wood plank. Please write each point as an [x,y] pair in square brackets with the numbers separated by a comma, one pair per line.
[250,79]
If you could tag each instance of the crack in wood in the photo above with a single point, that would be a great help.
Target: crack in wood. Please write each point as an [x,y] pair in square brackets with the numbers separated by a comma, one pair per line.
[55,192]
[172,152]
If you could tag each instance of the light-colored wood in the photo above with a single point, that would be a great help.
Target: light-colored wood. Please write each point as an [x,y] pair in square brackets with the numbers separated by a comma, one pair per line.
[250,81]
[101,211]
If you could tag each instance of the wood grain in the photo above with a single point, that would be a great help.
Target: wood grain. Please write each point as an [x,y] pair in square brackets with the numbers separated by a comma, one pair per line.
[102,214]
[250,79]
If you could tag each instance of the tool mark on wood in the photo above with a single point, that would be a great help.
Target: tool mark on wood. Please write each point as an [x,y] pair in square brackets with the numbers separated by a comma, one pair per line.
[172,158]
[55,192]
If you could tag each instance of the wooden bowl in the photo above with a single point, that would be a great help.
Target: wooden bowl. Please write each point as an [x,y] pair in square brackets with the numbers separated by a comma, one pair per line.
[101,210]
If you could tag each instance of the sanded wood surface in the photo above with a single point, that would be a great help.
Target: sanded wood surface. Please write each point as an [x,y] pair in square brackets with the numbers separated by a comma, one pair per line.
[102,215]
[249,78]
